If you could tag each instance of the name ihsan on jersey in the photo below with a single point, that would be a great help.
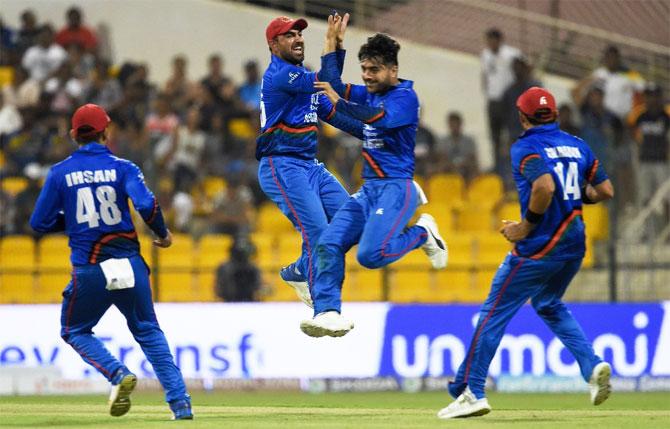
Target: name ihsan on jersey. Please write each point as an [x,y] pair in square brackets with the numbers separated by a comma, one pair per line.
[88,176]
[563,152]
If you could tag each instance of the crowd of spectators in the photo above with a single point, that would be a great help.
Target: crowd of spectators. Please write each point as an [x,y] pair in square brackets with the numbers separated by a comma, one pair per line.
[187,129]
[622,118]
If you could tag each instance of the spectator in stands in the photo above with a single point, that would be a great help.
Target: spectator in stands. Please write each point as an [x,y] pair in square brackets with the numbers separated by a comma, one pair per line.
[205,102]
[7,45]
[178,87]
[215,78]
[28,32]
[76,32]
[104,90]
[44,58]
[24,202]
[652,128]
[65,91]
[10,119]
[496,64]
[457,152]
[7,213]
[137,93]
[238,279]
[188,147]
[81,62]
[233,211]
[424,148]
[250,90]
[566,120]
[620,84]
[161,123]
[23,92]
[523,80]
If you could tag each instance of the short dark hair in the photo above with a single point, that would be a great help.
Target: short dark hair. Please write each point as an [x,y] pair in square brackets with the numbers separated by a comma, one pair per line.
[540,117]
[455,116]
[494,33]
[380,47]
[86,134]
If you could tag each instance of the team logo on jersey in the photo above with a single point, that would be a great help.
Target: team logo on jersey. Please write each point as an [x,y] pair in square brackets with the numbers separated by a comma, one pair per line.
[292,76]
[380,211]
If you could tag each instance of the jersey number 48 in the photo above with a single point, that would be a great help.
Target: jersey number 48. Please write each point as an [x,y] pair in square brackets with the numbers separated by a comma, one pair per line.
[87,212]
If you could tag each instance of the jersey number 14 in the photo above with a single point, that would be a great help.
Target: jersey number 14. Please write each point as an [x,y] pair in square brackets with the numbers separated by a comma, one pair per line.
[87,212]
[569,180]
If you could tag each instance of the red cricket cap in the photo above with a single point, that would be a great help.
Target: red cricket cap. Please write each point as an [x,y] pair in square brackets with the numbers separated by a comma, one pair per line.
[537,103]
[283,24]
[90,115]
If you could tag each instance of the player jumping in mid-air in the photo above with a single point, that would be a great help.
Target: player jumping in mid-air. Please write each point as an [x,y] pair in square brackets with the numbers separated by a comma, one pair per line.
[555,174]
[303,189]
[86,195]
[387,109]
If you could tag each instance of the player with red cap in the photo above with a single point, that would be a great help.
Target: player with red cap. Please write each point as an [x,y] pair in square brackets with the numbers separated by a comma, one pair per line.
[86,196]
[303,189]
[555,174]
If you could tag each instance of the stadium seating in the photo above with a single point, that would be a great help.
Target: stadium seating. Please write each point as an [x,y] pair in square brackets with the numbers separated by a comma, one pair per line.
[213,185]
[212,251]
[361,284]
[508,211]
[53,263]
[17,262]
[491,249]
[486,190]
[175,266]
[446,188]
[271,220]
[596,219]
[13,185]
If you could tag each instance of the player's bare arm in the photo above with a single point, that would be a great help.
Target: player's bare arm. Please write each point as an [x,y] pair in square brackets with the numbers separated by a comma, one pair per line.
[327,89]
[165,241]
[601,192]
[540,198]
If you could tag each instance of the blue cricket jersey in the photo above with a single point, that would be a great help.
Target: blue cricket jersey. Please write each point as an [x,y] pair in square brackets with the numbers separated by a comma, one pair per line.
[291,107]
[389,122]
[86,195]
[546,149]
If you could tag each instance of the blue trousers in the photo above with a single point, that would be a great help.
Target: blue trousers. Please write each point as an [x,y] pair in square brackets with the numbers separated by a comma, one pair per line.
[85,301]
[308,195]
[517,280]
[375,218]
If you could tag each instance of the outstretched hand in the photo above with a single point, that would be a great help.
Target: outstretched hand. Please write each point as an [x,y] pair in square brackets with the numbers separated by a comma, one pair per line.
[342,29]
[327,88]
[515,231]
[164,242]
[334,27]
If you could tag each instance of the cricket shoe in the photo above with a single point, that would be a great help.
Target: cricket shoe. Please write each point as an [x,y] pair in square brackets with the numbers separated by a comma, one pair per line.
[181,409]
[329,323]
[599,383]
[435,247]
[297,281]
[123,384]
[466,405]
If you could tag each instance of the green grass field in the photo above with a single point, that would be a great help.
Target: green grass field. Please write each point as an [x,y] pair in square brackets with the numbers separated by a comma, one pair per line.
[341,410]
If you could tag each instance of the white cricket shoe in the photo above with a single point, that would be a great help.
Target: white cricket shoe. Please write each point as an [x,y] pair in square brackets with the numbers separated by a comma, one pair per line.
[329,323]
[599,383]
[297,281]
[466,405]
[435,247]
[119,397]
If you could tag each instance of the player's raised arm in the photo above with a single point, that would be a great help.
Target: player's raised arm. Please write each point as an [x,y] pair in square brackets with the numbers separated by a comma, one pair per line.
[48,214]
[328,113]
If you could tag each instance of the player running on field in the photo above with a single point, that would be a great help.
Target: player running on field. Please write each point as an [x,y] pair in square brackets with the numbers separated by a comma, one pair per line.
[86,195]
[387,109]
[555,174]
[303,189]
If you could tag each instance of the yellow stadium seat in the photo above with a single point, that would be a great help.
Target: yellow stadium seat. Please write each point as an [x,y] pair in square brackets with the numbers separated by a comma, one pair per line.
[596,220]
[213,250]
[175,270]
[447,188]
[6,75]
[453,285]
[416,260]
[13,185]
[204,290]
[289,246]
[362,284]
[271,220]
[147,248]
[17,262]
[475,218]
[214,185]
[460,250]
[411,286]
[508,211]
[491,249]
[589,257]
[486,190]
[55,268]
[443,213]
[482,287]
[241,128]
[277,289]
[266,251]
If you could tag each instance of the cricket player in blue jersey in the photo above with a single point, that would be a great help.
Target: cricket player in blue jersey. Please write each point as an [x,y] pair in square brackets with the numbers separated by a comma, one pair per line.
[376,217]
[555,174]
[86,195]
[303,189]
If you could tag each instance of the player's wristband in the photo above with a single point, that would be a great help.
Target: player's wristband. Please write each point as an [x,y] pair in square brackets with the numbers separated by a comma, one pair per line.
[533,217]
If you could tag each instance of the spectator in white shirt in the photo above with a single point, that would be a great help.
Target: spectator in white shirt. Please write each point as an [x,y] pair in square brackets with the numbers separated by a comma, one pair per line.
[497,76]
[44,58]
